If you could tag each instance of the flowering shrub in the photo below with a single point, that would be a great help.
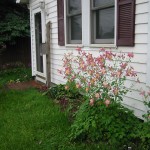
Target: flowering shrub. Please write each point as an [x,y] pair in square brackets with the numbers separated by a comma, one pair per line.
[146,97]
[100,78]
[101,117]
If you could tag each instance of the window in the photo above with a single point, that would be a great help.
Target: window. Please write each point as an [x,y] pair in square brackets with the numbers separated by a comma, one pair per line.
[102,21]
[108,22]
[74,21]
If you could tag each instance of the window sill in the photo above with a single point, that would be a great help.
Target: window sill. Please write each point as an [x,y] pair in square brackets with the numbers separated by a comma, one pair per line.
[92,45]
[103,45]
[74,45]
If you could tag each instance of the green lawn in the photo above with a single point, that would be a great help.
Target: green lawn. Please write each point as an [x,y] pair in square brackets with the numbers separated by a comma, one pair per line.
[30,121]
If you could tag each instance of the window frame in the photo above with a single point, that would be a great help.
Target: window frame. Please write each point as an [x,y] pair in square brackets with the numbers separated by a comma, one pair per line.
[68,23]
[93,25]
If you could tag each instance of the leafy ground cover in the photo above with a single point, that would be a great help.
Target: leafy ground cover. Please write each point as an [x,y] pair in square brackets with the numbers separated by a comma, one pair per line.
[17,74]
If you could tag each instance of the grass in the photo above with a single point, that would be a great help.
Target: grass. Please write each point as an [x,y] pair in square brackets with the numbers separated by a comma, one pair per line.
[30,121]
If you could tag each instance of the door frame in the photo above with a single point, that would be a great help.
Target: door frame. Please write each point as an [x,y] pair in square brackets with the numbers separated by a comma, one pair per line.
[39,75]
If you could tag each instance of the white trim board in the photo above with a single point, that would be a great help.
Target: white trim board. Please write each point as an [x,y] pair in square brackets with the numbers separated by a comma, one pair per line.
[36,10]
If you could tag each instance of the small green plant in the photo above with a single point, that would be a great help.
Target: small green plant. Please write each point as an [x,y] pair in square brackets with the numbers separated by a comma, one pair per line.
[15,74]
[69,99]
[146,100]
[142,134]
[61,91]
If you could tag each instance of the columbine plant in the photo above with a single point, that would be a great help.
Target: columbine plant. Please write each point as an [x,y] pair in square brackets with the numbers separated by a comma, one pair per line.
[101,78]
[146,99]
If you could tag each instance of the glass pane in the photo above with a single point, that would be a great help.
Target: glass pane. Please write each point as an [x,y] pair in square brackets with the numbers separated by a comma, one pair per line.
[102,2]
[105,23]
[38,34]
[74,6]
[76,28]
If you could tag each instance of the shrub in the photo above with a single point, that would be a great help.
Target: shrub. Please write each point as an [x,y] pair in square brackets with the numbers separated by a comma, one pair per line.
[114,125]
[142,136]
[101,117]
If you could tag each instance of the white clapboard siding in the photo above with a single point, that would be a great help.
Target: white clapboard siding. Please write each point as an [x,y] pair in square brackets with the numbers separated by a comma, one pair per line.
[140,10]
[137,112]
[141,38]
[141,28]
[141,18]
[139,62]
[141,1]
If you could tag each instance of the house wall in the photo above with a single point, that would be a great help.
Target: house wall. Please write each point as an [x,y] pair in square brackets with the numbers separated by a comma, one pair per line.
[132,100]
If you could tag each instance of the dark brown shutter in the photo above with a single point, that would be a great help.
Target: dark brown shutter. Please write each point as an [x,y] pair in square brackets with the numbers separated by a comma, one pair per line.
[60,12]
[125,22]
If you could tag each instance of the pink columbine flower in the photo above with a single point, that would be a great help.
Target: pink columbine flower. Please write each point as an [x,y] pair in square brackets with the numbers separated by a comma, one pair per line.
[66,87]
[84,53]
[91,102]
[102,49]
[78,49]
[87,89]
[78,85]
[148,93]
[89,84]
[115,90]
[103,71]
[59,71]
[97,95]
[133,74]
[128,72]
[67,71]
[105,84]
[107,102]
[130,54]
[73,77]
[142,93]
[119,74]
[123,65]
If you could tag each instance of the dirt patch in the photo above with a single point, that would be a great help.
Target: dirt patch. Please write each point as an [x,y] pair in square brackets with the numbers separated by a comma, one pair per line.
[26,85]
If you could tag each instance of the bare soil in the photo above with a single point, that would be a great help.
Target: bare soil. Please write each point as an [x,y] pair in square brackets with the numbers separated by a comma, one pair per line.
[26,85]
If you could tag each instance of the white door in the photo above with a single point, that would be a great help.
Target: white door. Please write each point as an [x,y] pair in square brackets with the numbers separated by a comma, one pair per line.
[40,38]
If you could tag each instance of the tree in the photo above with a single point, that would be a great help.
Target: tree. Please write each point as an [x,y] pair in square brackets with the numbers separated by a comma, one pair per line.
[14,22]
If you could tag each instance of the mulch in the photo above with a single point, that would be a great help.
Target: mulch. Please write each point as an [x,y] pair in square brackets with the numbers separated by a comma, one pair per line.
[27,85]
